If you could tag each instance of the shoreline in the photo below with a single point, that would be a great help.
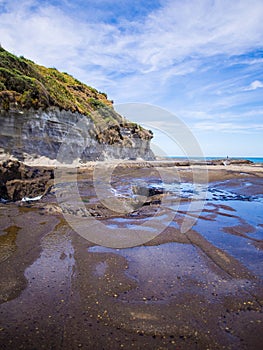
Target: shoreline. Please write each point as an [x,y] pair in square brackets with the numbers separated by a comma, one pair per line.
[20,180]
[163,161]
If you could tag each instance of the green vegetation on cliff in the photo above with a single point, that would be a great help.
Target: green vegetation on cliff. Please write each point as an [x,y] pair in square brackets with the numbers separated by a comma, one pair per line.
[25,85]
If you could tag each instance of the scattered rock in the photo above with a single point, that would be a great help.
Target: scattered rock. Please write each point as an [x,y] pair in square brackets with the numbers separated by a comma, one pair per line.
[230,162]
[148,195]
[147,191]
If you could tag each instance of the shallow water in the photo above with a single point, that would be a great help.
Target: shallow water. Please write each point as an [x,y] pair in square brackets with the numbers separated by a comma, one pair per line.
[166,292]
[238,189]
[8,242]
[134,223]
[223,204]
[242,248]
[55,266]
[217,207]
[165,271]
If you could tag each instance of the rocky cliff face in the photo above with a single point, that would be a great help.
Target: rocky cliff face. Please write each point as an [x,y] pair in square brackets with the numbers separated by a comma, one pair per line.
[30,134]
[47,113]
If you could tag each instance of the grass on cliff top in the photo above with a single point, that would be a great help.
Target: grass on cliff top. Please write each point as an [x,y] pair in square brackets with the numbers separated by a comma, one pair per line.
[24,85]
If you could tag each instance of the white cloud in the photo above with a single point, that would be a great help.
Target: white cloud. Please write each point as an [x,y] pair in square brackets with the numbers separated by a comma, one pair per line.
[251,61]
[140,60]
[201,28]
[256,84]
[167,36]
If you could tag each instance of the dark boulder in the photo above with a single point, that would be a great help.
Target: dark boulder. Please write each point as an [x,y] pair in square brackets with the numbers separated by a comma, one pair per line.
[18,180]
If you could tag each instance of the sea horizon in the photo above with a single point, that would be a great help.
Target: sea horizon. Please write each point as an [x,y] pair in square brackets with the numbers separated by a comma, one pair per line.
[252,159]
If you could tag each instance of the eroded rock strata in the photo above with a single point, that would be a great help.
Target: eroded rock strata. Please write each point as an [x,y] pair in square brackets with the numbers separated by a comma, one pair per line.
[32,134]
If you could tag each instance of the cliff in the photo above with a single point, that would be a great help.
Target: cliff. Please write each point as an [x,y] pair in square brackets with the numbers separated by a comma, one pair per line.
[42,109]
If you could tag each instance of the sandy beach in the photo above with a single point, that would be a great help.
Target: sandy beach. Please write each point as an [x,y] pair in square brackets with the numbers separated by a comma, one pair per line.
[199,288]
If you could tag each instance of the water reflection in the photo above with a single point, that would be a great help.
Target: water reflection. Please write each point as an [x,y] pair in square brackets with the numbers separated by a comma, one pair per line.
[8,242]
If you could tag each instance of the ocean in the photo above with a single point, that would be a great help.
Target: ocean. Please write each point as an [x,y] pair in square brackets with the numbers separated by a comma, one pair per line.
[252,159]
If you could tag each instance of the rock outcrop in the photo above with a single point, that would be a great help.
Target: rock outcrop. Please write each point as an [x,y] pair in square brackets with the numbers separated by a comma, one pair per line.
[19,181]
[229,161]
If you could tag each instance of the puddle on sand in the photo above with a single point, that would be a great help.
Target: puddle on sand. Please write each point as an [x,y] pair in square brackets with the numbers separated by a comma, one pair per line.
[252,213]
[166,270]
[101,268]
[8,242]
[54,268]
[241,248]
[133,223]
[39,314]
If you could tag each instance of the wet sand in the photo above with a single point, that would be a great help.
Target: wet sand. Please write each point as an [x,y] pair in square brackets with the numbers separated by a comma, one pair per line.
[200,289]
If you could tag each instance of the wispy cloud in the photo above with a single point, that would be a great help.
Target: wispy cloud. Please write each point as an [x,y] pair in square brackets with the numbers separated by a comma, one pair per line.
[164,37]
[229,127]
[199,58]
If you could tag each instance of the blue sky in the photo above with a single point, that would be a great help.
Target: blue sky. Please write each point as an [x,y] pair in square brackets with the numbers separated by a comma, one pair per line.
[200,60]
